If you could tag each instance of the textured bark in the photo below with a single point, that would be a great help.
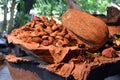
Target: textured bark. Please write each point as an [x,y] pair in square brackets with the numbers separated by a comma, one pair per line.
[11,22]
[4,25]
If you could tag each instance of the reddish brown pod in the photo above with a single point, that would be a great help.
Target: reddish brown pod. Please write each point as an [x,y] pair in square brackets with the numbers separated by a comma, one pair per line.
[109,53]
[35,18]
[88,29]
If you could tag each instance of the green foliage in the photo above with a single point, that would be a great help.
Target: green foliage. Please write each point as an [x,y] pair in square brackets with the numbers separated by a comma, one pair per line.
[50,8]
[58,7]
[21,19]
[91,6]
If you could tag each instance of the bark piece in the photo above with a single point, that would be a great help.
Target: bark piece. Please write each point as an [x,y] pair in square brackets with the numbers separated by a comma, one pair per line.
[82,70]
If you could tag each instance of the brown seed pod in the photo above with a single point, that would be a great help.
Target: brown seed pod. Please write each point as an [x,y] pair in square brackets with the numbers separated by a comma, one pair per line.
[54,34]
[45,42]
[48,30]
[38,27]
[65,42]
[36,39]
[54,27]
[52,22]
[88,29]
[35,18]
[44,37]
[58,37]
[50,39]
[59,43]
[63,32]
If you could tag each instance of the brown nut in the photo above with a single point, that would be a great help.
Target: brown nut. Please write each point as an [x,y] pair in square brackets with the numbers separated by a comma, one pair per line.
[109,53]
[67,36]
[42,33]
[48,30]
[54,27]
[58,37]
[65,41]
[44,37]
[52,22]
[50,40]
[59,43]
[35,18]
[36,39]
[54,34]
[39,27]
[62,33]
[45,42]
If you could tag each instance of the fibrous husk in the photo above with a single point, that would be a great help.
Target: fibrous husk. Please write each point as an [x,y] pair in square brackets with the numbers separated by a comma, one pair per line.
[88,29]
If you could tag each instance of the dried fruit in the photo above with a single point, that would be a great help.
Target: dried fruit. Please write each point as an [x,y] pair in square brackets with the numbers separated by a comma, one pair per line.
[35,18]
[109,53]
[45,42]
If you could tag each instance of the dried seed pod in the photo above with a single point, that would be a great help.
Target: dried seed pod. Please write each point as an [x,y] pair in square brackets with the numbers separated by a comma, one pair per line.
[59,43]
[28,23]
[44,19]
[52,22]
[67,36]
[32,24]
[88,29]
[36,39]
[65,41]
[54,27]
[35,18]
[63,32]
[34,34]
[39,27]
[109,53]
[45,42]
[44,37]
[50,40]
[58,37]
[42,33]
[54,34]
[48,30]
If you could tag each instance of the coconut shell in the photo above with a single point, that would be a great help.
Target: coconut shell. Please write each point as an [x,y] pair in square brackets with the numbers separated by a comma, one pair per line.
[87,28]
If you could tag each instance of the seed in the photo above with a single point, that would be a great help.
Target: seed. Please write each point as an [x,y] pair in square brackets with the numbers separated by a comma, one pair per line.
[45,42]
[35,18]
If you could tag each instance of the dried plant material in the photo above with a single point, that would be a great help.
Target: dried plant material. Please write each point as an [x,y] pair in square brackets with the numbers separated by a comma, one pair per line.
[61,69]
[13,58]
[88,29]
[80,70]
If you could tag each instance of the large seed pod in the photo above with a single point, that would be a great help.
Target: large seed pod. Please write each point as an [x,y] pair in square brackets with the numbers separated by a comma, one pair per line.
[87,28]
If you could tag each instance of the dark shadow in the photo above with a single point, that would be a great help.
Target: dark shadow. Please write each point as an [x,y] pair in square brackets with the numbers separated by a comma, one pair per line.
[105,72]
[42,73]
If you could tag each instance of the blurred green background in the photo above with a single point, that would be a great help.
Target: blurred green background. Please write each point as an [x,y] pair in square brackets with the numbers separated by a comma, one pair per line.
[15,13]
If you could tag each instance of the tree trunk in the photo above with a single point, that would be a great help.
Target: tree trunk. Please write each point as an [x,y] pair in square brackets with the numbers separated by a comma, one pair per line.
[4,25]
[11,22]
[72,4]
